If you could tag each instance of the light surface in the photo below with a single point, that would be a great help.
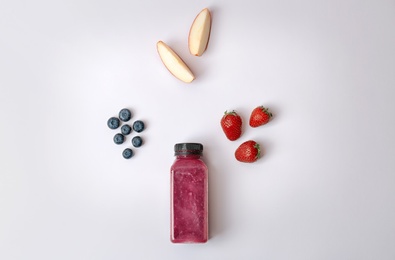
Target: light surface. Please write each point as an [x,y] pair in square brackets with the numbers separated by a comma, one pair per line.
[324,189]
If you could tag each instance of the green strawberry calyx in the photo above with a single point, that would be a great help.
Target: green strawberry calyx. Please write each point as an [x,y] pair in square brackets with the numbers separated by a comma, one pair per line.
[266,111]
[232,113]
[258,149]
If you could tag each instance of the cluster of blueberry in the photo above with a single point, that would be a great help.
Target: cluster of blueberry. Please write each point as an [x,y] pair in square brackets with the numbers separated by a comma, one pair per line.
[138,126]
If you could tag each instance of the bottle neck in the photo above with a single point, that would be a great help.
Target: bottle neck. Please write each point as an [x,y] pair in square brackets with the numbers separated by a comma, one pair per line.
[188,156]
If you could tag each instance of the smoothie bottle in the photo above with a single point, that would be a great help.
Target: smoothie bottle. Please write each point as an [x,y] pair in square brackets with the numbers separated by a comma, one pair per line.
[189,195]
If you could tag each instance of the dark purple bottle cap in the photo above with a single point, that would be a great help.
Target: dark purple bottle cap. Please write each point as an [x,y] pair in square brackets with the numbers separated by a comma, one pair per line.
[188,148]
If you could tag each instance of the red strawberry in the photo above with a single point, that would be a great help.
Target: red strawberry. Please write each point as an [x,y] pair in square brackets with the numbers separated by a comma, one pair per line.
[231,124]
[248,152]
[260,116]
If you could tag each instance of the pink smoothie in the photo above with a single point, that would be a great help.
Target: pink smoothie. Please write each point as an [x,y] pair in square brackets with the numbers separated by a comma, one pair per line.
[189,203]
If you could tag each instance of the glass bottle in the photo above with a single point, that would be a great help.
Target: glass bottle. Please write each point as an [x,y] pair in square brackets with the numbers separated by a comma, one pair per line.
[189,195]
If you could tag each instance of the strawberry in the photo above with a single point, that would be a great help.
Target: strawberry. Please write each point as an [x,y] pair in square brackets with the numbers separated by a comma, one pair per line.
[231,124]
[248,152]
[260,116]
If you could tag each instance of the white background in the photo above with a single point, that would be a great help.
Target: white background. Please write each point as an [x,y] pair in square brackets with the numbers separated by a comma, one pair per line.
[324,188]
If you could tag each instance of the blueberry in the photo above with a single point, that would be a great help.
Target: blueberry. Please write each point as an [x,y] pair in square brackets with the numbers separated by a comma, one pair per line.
[127,153]
[126,129]
[113,123]
[137,141]
[119,138]
[138,126]
[125,114]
